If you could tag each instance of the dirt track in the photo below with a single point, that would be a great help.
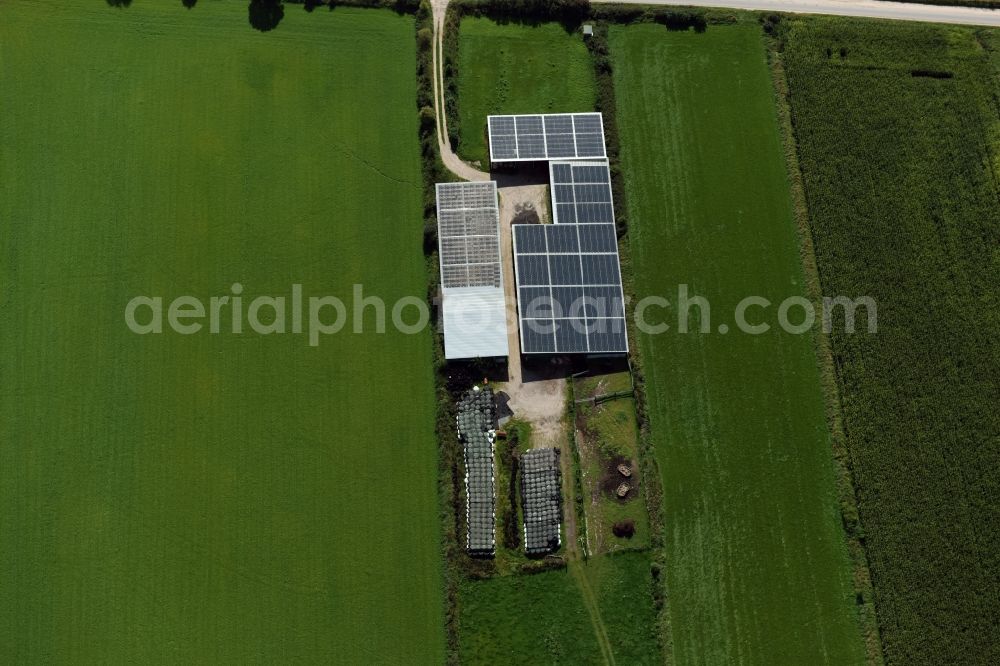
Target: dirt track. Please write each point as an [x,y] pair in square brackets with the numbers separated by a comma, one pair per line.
[454,163]
[537,396]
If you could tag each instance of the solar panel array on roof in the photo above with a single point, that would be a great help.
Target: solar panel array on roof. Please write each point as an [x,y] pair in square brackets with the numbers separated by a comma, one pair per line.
[569,286]
[546,137]
[476,424]
[469,234]
[541,497]
[473,302]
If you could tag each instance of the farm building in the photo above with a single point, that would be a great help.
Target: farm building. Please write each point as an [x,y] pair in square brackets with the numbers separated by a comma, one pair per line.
[569,287]
[541,497]
[541,137]
[472,299]
[568,277]
[476,425]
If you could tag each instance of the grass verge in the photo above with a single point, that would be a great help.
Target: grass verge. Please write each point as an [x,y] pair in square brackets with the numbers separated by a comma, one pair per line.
[745,473]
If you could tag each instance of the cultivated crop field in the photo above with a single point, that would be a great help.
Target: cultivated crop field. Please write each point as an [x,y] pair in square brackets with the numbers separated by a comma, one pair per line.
[757,567]
[224,498]
[899,141]
[517,69]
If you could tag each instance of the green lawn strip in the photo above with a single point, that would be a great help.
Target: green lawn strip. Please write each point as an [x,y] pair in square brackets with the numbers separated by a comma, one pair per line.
[623,586]
[542,618]
[226,498]
[528,619]
[897,127]
[757,567]
[515,68]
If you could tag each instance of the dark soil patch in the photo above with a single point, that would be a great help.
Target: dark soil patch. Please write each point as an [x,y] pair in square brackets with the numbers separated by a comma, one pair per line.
[624,529]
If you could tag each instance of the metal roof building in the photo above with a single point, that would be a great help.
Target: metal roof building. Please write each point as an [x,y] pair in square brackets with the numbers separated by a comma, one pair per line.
[547,136]
[472,300]
[569,286]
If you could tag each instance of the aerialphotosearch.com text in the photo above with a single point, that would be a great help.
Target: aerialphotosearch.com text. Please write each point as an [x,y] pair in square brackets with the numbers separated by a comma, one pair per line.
[319,316]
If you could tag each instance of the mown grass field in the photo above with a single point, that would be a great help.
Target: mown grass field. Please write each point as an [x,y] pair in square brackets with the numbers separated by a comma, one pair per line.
[542,618]
[901,174]
[210,498]
[757,566]
[517,69]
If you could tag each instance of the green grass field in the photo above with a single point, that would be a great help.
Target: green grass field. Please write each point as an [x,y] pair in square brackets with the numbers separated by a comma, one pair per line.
[517,69]
[525,619]
[901,173]
[757,566]
[623,586]
[210,498]
[541,618]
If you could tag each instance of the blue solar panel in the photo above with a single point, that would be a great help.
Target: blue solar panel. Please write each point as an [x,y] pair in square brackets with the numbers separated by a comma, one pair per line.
[603,302]
[531,145]
[535,302]
[529,124]
[607,335]
[565,213]
[529,238]
[588,213]
[588,174]
[589,145]
[502,125]
[546,137]
[558,124]
[562,238]
[568,302]
[565,268]
[571,336]
[533,269]
[598,238]
[587,122]
[592,193]
[538,336]
[562,173]
[600,269]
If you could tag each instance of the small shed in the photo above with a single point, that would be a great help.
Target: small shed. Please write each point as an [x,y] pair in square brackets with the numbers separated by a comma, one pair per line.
[588,30]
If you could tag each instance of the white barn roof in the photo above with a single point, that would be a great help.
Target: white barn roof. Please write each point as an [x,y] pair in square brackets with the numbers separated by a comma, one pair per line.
[473,304]
[475,323]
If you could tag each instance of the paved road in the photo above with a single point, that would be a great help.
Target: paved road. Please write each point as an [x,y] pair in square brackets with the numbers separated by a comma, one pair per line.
[864,8]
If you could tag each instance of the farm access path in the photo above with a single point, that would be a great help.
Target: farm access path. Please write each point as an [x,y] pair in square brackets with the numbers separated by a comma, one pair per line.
[455,164]
[538,400]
